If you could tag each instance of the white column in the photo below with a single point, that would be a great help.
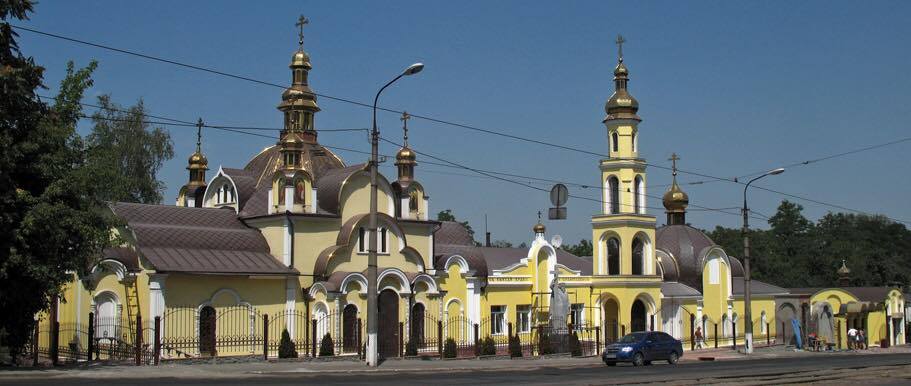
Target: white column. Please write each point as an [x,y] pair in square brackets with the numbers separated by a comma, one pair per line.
[313,203]
[289,198]
[291,286]
[286,242]
[156,295]
[474,300]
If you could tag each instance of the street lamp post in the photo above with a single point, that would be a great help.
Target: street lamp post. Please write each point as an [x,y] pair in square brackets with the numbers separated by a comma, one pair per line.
[372,341]
[747,293]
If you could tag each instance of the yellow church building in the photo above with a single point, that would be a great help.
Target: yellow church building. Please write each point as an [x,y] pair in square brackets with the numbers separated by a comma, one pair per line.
[280,245]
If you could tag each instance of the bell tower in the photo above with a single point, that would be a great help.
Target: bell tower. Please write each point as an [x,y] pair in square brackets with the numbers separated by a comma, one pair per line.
[623,233]
[191,193]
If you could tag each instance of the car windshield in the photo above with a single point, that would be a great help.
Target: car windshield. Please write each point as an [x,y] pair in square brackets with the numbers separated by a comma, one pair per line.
[633,338]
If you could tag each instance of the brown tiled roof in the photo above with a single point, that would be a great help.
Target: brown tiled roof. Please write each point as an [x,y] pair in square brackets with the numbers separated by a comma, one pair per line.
[452,233]
[756,287]
[329,185]
[484,260]
[198,240]
[864,294]
[125,255]
[674,289]
[687,245]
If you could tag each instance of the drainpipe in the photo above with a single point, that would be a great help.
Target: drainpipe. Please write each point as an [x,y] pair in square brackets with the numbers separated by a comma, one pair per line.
[290,230]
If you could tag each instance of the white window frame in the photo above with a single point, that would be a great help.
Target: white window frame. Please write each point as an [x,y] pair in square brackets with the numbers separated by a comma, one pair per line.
[523,318]
[498,320]
[383,239]
[714,271]
[580,320]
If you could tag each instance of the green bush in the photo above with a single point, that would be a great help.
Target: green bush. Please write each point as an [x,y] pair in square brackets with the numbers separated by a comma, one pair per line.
[286,347]
[488,346]
[450,349]
[326,347]
[515,347]
[574,346]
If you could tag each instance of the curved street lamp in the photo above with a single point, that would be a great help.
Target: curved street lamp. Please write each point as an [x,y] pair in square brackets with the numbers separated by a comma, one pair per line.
[372,354]
[747,293]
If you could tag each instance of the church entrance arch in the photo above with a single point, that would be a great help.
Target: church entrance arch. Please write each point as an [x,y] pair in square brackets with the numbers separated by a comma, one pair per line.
[349,328]
[638,316]
[388,312]
[207,331]
[611,320]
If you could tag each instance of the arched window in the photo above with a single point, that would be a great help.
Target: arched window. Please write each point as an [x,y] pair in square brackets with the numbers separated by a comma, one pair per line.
[613,256]
[637,257]
[615,141]
[635,145]
[613,201]
[639,194]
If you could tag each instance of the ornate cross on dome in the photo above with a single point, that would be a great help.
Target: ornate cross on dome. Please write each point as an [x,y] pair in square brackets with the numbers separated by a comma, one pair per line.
[620,41]
[199,126]
[405,117]
[673,160]
[539,217]
[301,22]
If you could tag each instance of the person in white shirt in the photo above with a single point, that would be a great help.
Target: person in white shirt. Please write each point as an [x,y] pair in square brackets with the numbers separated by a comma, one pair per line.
[852,337]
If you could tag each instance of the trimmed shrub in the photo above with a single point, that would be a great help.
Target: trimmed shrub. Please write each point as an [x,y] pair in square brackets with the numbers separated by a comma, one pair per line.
[450,348]
[286,347]
[488,346]
[574,346]
[515,347]
[326,347]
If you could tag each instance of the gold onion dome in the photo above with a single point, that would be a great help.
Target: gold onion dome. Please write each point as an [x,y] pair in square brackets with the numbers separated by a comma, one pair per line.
[675,199]
[405,155]
[538,228]
[198,159]
[300,59]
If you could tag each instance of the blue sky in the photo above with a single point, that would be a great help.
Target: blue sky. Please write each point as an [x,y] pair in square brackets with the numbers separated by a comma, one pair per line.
[732,87]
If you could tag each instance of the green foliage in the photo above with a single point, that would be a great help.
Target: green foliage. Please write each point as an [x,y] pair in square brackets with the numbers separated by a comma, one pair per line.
[124,154]
[487,347]
[584,248]
[575,347]
[501,244]
[450,348]
[326,346]
[52,223]
[515,347]
[795,252]
[286,346]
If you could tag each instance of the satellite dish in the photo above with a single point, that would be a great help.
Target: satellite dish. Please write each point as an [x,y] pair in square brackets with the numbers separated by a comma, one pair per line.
[556,241]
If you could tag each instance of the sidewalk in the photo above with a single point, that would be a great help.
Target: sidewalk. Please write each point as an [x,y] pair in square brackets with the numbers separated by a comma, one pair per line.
[253,369]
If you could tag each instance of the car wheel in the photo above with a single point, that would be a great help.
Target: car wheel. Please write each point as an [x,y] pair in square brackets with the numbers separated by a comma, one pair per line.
[673,358]
[638,360]
[610,363]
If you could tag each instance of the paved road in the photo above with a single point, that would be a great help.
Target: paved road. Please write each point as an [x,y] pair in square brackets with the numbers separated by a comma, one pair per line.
[823,369]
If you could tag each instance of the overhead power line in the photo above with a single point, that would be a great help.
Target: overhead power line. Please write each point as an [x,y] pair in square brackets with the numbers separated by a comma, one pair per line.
[431,119]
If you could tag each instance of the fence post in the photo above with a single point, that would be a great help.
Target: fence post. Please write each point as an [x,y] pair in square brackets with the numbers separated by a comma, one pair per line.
[539,340]
[91,342]
[35,345]
[477,340]
[440,338]
[716,334]
[265,337]
[734,331]
[157,340]
[360,348]
[598,341]
[622,330]
[137,342]
[55,337]
[313,342]
[838,329]
[401,339]
[692,332]
[784,335]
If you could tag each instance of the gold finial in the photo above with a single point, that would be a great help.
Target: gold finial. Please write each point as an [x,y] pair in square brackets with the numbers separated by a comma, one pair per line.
[405,117]
[301,22]
[620,40]
[199,126]
[539,228]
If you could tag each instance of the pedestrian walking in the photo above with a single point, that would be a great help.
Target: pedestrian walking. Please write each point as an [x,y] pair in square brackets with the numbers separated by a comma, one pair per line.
[852,338]
[861,340]
[700,342]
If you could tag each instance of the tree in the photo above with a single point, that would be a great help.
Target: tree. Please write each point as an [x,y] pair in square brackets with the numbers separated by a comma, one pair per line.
[584,248]
[51,220]
[326,346]
[501,244]
[286,347]
[124,154]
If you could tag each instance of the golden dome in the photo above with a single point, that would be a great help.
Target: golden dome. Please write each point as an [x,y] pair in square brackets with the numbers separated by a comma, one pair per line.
[539,228]
[675,199]
[405,155]
[621,70]
[300,58]
[197,161]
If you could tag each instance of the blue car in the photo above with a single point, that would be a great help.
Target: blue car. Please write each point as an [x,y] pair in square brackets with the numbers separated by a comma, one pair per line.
[641,348]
